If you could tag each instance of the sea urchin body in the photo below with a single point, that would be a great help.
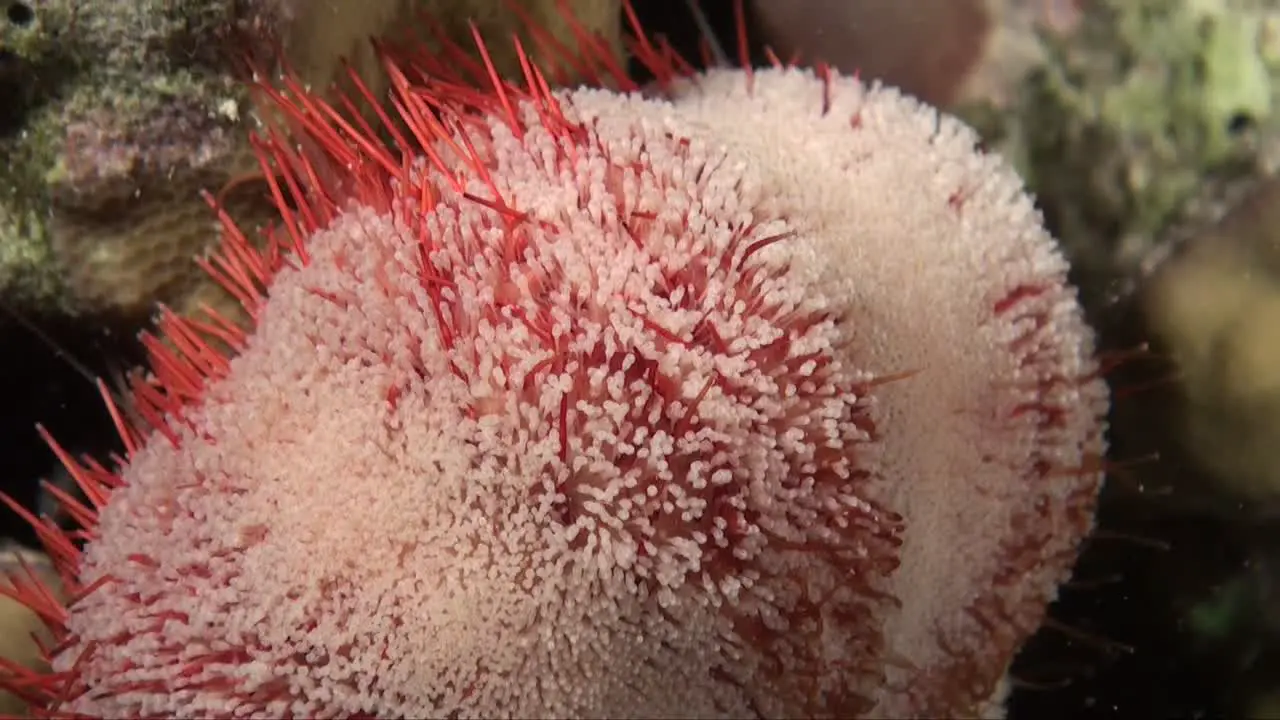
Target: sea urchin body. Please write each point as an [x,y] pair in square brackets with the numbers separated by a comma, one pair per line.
[763,395]
[991,448]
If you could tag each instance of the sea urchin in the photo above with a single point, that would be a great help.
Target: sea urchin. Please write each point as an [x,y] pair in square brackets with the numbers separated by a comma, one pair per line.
[761,393]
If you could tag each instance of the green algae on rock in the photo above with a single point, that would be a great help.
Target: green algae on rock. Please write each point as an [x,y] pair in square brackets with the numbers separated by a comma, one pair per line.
[1136,115]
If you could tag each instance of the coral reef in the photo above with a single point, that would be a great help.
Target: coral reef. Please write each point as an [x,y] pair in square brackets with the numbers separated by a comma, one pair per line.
[116,115]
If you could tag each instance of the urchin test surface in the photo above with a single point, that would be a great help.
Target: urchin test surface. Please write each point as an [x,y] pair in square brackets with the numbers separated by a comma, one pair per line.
[942,256]
[275,543]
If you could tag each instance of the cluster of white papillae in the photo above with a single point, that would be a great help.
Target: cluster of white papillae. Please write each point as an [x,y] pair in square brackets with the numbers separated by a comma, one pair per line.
[763,396]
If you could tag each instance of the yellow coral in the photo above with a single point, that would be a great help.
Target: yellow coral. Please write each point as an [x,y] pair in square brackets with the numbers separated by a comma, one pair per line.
[1216,308]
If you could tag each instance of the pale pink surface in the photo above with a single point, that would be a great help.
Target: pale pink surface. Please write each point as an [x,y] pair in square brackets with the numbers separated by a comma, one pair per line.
[942,258]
